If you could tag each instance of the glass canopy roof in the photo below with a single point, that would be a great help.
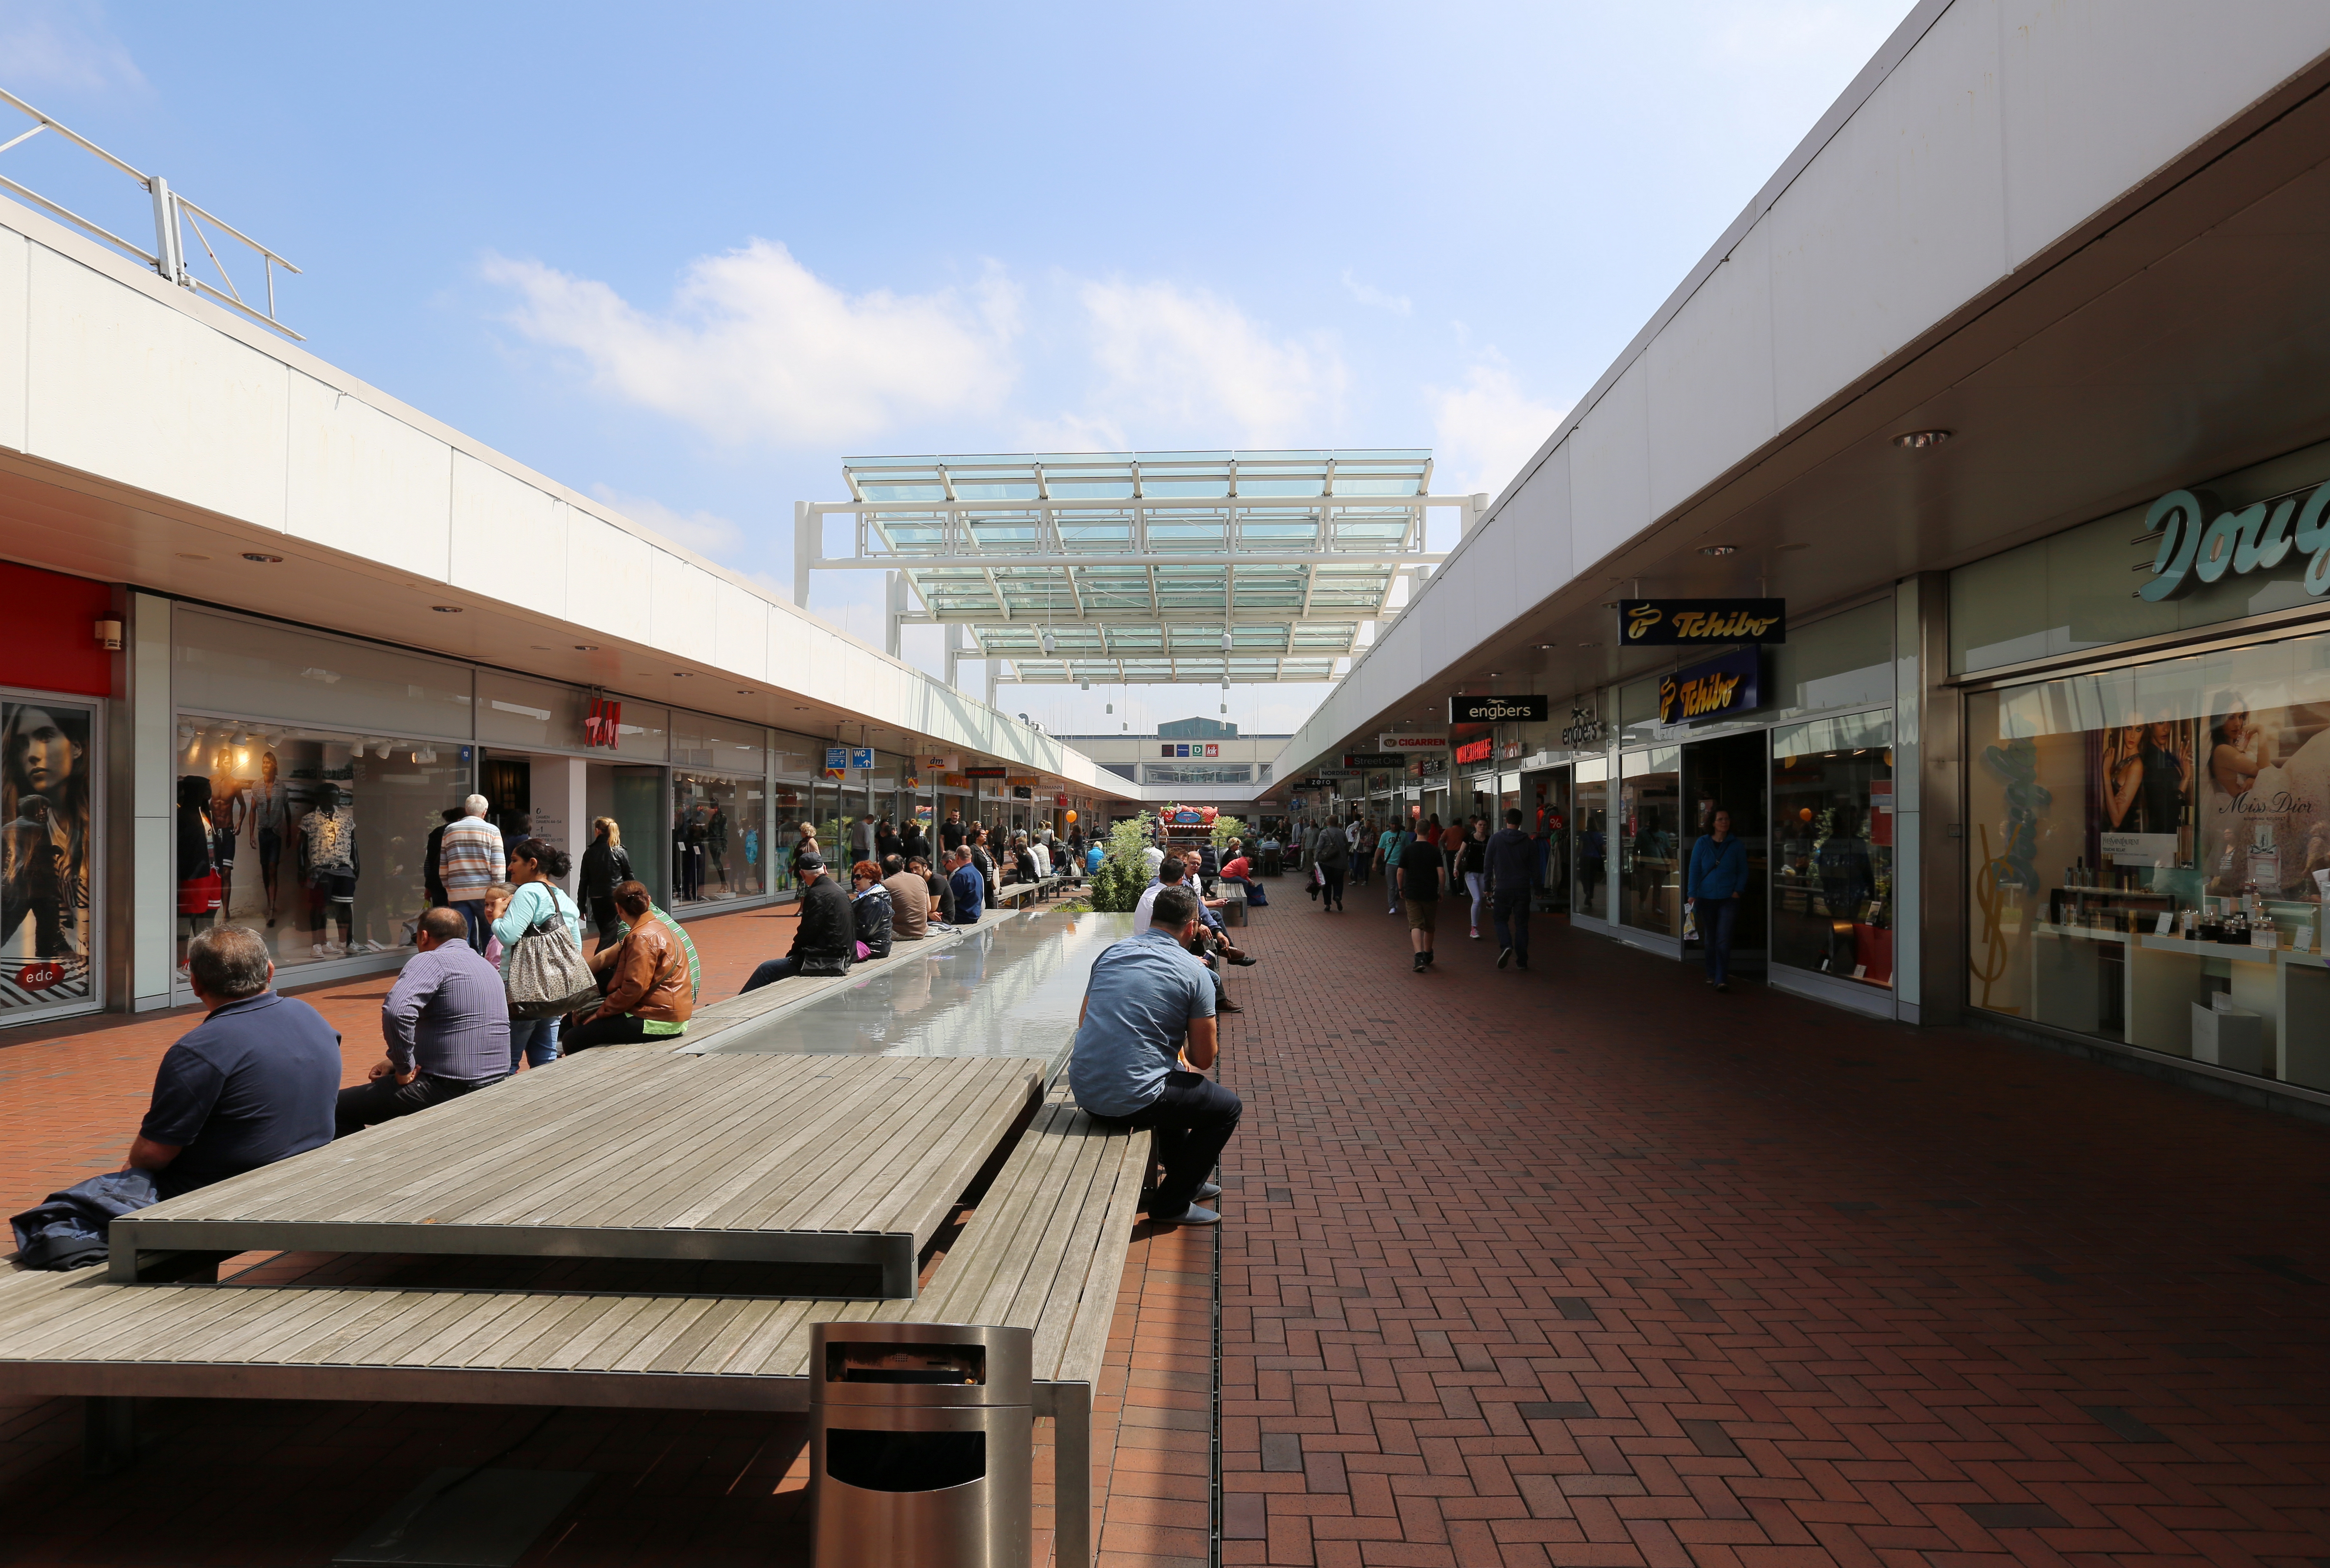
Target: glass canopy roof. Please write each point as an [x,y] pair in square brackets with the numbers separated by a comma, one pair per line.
[1146,566]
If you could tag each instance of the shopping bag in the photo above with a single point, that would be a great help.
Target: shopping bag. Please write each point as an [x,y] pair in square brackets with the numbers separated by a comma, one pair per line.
[1690,924]
[548,977]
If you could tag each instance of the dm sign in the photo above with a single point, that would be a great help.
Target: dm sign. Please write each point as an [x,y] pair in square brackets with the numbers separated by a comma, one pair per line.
[1729,684]
[1690,622]
[2254,538]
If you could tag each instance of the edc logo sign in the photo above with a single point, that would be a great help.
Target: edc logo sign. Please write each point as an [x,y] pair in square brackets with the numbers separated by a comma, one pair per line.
[2253,539]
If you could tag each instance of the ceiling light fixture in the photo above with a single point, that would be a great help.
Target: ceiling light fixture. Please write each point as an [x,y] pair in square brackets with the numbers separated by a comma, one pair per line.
[586,647]
[1719,550]
[446,609]
[262,557]
[1921,440]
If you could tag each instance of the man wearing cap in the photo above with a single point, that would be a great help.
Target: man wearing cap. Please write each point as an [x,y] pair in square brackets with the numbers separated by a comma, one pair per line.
[826,939]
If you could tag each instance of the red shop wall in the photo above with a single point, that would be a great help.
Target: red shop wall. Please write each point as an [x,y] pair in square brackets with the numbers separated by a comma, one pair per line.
[51,639]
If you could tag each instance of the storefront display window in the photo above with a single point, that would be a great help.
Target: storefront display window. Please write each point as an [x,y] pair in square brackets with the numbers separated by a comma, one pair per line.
[1591,817]
[1833,847]
[49,768]
[2149,851]
[1650,841]
[717,853]
[316,838]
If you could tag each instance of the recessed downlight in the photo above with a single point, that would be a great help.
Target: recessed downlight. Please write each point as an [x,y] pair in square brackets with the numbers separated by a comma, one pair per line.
[1921,440]
[262,557]
[586,647]
[446,609]
[1719,550]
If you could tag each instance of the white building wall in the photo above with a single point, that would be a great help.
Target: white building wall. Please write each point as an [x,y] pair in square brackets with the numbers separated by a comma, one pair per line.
[1983,133]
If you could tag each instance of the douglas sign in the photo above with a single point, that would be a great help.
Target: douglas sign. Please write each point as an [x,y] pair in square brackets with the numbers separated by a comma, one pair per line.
[2254,538]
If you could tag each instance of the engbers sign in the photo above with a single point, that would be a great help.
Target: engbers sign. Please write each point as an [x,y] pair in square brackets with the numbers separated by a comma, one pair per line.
[1499,709]
[1696,622]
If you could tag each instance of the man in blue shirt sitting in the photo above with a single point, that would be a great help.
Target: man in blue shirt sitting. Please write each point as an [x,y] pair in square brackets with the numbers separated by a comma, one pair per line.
[1149,1006]
[253,1084]
[970,888]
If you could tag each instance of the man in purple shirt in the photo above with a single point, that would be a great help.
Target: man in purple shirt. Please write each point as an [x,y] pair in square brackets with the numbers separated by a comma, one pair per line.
[447,1024]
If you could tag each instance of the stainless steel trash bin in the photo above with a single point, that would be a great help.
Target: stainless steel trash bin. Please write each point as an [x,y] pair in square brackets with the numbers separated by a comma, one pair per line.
[920,1440]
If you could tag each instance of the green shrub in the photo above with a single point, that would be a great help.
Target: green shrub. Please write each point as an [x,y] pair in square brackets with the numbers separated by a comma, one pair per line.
[1124,874]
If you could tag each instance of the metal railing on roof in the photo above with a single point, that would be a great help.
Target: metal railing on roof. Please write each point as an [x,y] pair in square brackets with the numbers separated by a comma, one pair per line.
[172,216]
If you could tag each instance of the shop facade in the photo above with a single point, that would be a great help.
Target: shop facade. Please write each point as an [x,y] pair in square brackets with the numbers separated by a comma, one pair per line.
[2148,778]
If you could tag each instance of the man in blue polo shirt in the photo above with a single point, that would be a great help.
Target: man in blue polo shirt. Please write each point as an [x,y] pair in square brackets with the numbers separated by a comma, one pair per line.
[1145,998]
[253,1084]
[970,888]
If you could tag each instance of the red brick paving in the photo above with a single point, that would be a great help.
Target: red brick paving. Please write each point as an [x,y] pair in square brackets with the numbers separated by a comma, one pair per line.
[1583,1266]
[1592,1266]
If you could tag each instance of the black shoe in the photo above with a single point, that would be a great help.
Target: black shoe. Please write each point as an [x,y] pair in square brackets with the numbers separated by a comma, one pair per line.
[1723,985]
[1420,962]
[1243,962]
[1504,957]
[1521,963]
[1226,1005]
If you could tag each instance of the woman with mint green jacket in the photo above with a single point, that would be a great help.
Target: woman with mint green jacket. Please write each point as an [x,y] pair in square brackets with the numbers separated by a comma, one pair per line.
[534,870]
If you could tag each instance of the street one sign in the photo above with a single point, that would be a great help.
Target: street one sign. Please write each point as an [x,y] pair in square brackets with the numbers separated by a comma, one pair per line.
[1701,622]
[1378,761]
[1500,710]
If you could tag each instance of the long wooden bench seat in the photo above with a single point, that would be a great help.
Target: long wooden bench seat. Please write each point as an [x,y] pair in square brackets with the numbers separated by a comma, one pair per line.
[1044,1249]
[756,1010]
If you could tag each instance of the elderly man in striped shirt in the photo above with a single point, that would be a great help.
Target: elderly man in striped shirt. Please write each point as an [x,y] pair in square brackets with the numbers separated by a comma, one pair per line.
[469,860]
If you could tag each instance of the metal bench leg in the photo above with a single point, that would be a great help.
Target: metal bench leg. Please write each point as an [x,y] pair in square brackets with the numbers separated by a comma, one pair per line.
[108,1435]
[1072,1476]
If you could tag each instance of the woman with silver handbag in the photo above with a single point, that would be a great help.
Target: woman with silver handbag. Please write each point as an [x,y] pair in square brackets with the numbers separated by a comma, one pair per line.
[540,930]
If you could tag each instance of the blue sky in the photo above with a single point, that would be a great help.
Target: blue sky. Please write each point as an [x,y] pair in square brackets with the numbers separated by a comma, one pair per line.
[686,257]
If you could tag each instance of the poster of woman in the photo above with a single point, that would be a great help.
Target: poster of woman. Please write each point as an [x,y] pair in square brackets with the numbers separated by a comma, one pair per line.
[2144,788]
[2264,787]
[45,772]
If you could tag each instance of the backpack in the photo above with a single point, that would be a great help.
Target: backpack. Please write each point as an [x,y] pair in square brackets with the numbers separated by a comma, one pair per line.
[546,977]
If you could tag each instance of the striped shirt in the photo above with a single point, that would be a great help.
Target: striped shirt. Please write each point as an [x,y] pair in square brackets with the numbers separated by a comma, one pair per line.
[469,859]
[448,1015]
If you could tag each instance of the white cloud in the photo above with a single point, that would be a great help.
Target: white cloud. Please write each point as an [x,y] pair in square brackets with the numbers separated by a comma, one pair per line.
[1485,430]
[757,347]
[49,43]
[1184,365]
[705,533]
[1369,295]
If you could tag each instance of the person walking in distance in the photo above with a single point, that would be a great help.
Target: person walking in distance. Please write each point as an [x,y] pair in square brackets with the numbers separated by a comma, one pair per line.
[469,860]
[1421,873]
[1719,876]
[1389,847]
[1468,870]
[1510,859]
[1331,852]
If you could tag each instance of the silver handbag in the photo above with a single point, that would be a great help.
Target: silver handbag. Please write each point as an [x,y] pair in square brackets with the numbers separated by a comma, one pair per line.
[546,977]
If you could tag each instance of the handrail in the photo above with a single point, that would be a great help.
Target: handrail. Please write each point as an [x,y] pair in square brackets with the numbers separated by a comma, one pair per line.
[172,214]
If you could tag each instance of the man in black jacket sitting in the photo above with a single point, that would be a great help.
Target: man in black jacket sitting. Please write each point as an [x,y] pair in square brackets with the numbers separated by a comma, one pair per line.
[826,941]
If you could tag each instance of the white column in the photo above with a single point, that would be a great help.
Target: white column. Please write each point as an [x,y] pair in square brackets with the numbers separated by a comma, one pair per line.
[894,606]
[561,809]
[153,775]
[808,544]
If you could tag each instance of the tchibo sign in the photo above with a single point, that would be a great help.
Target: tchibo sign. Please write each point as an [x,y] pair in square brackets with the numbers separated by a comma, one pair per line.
[2198,541]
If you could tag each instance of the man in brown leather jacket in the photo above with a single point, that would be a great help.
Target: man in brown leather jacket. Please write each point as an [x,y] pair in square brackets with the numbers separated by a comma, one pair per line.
[647,993]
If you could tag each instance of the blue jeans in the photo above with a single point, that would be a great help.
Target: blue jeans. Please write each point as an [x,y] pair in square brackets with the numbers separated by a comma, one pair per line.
[1510,912]
[1717,918]
[534,1039]
[472,912]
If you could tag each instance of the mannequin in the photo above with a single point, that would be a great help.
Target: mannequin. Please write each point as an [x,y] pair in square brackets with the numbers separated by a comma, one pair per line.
[328,864]
[268,813]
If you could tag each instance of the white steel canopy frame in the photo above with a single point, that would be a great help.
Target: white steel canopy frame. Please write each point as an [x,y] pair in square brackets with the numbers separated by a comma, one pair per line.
[1138,567]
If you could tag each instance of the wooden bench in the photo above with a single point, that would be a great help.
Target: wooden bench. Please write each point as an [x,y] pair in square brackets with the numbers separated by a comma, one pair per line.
[842,1168]
[1044,1249]
[752,1011]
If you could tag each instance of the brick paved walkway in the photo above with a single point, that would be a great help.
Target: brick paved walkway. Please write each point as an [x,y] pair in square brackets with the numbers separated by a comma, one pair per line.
[1593,1266]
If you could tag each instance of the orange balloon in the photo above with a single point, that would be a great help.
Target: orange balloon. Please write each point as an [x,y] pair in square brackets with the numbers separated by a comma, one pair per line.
[1072,817]
[1805,814]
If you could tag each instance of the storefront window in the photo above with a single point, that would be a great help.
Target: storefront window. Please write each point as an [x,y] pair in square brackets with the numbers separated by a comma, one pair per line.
[715,837]
[2148,851]
[48,869]
[1592,829]
[1650,838]
[1833,847]
[316,838]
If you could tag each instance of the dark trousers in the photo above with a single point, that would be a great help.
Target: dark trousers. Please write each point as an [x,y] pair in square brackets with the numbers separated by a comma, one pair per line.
[385,1100]
[604,917]
[1717,919]
[1509,911]
[771,972]
[1189,1122]
[622,1029]
[1331,895]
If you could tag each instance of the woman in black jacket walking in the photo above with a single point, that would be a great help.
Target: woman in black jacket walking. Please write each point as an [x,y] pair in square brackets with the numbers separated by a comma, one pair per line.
[605,864]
